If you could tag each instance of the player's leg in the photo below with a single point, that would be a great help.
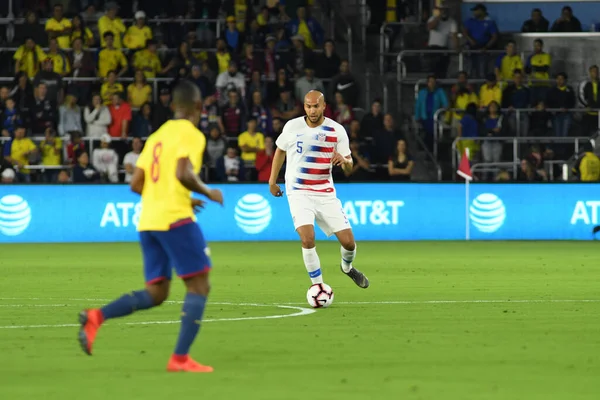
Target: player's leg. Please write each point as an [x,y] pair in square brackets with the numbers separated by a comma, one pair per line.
[190,256]
[303,215]
[157,274]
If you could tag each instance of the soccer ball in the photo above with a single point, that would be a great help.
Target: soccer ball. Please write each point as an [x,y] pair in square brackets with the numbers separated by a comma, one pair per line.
[319,295]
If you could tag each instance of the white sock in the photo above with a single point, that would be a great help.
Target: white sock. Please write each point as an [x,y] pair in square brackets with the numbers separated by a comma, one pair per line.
[312,264]
[347,258]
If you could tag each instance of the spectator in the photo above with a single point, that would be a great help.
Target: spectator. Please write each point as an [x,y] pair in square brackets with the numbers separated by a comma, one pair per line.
[83,172]
[261,113]
[469,129]
[250,62]
[28,58]
[256,35]
[91,16]
[113,24]
[538,68]
[508,62]
[429,101]
[384,141]
[256,85]
[361,170]
[561,96]
[80,31]
[536,24]
[120,115]
[31,29]
[490,91]
[44,112]
[162,111]
[233,36]
[462,82]
[83,67]
[282,83]
[183,59]
[139,92]
[230,167]
[106,161]
[342,114]
[308,82]
[286,108]
[346,84]
[517,96]
[111,57]
[481,33]
[528,173]
[567,22]
[59,28]
[132,157]
[138,34]
[69,116]
[282,40]
[75,146]
[148,61]
[8,175]
[216,145]
[97,117]
[110,87]
[10,118]
[60,61]
[588,93]
[223,57]
[462,94]
[251,142]
[264,160]
[52,81]
[299,56]
[141,126]
[491,150]
[328,62]
[587,166]
[400,166]
[277,127]
[441,28]
[19,151]
[204,84]
[539,121]
[307,27]
[22,94]
[230,80]
[51,152]
[372,121]
[210,116]
[233,115]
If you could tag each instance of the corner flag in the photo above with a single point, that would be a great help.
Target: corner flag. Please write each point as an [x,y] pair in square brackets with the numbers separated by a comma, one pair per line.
[464,168]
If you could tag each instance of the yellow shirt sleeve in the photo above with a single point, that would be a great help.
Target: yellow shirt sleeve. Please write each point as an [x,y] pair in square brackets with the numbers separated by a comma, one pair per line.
[243,139]
[30,145]
[122,60]
[40,53]
[19,53]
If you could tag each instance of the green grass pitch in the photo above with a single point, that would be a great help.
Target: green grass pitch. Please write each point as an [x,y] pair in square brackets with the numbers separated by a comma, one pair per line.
[452,321]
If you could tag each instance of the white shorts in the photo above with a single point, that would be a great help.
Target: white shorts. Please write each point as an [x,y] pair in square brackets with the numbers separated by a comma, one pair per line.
[327,211]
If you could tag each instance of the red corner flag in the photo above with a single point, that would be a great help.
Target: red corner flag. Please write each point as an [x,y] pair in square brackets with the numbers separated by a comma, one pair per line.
[464,169]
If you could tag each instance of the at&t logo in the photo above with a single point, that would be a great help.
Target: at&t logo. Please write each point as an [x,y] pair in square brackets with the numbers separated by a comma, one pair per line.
[487,213]
[253,213]
[15,215]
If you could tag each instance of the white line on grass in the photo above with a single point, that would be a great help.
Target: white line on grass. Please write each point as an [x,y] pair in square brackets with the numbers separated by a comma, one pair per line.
[467,301]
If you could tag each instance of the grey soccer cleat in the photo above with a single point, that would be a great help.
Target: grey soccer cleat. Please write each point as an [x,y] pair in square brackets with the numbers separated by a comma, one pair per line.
[358,277]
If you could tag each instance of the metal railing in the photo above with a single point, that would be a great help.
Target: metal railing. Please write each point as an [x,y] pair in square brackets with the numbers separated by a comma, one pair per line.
[384,40]
[514,165]
[438,127]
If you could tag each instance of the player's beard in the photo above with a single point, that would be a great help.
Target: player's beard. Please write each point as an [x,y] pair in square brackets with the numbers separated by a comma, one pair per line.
[315,120]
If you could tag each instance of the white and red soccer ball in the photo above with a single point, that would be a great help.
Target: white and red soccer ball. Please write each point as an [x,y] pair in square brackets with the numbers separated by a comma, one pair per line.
[319,295]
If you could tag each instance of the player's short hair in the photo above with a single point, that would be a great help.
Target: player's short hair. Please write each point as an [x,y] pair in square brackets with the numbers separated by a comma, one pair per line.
[186,94]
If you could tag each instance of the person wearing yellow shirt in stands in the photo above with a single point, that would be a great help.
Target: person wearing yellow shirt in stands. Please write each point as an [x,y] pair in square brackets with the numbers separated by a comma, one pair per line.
[222,55]
[28,58]
[138,34]
[110,87]
[111,23]
[51,149]
[251,142]
[507,63]
[18,152]
[587,167]
[490,91]
[59,27]
[148,61]
[139,92]
[61,63]
[79,30]
[111,58]
[538,68]
[463,98]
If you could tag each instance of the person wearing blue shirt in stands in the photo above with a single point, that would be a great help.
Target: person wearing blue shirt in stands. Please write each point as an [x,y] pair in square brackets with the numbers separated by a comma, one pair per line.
[469,128]
[481,33]
[429,100]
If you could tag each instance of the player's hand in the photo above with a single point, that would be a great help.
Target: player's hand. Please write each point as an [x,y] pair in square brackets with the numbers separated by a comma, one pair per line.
[338,159]
[198,205]
[275,190]
[216,196]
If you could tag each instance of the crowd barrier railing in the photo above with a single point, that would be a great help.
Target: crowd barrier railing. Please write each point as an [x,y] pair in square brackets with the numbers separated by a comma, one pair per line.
[384,39]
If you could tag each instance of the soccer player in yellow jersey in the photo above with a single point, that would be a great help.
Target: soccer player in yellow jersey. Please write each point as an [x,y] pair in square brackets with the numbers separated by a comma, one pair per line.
[165,175]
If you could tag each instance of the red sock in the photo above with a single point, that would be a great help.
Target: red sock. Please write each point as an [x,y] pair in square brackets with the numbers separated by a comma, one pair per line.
[180,358]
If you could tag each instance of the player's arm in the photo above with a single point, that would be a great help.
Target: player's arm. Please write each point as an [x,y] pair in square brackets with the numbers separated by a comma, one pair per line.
[278,160]
[137,181]
[342,156]
[185,174]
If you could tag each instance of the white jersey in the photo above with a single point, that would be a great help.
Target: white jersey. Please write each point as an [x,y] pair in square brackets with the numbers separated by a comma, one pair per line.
[309,152]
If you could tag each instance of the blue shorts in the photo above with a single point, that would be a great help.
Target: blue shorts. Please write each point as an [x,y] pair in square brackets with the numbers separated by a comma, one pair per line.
[182,247]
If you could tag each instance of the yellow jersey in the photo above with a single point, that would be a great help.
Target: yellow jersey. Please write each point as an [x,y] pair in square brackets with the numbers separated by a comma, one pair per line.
[246,139]
[51,154]
[223,61]
[138,96]
[147,62]
[461,103]
[538,67]
[487,95]
[507,64]
[87,36]
[116,26]
[64,41]
[61,63]
[19,151]
[135,38]
[305,33]
[164,199]
[107,90]
[110,59]
[588,167]
[29,60]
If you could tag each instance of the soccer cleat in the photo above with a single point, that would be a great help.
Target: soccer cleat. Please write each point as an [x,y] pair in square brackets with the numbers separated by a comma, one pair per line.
[186,364]
[358,277]
[90,321]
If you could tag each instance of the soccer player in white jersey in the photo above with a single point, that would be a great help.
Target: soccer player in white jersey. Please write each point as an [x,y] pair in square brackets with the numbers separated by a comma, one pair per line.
[313,144]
